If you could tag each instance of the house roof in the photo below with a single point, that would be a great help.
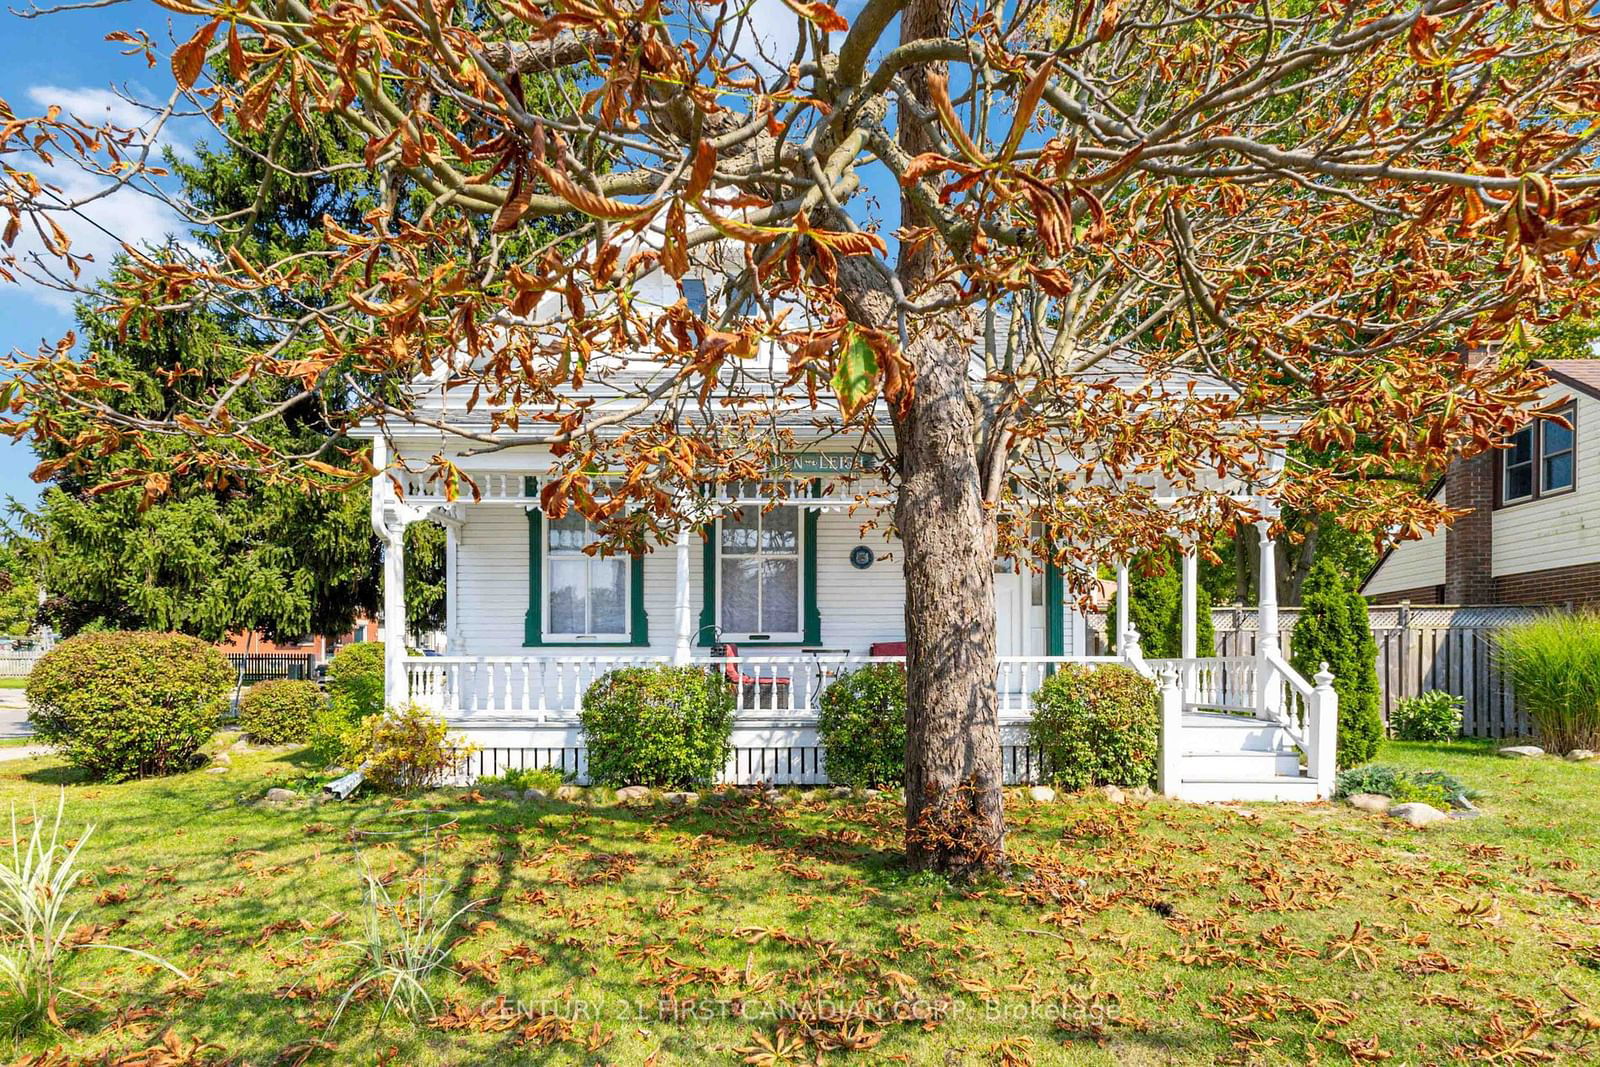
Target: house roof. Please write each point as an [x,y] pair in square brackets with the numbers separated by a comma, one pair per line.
[1580,374]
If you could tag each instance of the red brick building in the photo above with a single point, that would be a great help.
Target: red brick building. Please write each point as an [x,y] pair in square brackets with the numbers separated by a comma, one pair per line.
[322,648]
[1532,535]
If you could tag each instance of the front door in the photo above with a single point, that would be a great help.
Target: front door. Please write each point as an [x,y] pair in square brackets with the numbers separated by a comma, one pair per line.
[1018,620]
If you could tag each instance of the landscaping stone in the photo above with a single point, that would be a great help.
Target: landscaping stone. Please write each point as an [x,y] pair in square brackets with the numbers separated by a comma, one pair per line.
[777,799]
[1521,751]
[630,794]
[1143,794]
[1580,755]
[840,792]
[1042,794]
[569,794]
[1370,802]
[1461,803]
[1417,813]
[218,770]
[279,795]
[221,759]
[1114,794]
[681,799]
[532,794]
[240,745]
[870,792]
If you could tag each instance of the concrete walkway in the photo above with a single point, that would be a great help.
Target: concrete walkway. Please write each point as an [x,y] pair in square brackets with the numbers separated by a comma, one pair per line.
[14,715]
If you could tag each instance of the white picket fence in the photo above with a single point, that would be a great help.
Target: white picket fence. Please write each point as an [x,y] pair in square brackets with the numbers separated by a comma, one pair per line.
[18,664]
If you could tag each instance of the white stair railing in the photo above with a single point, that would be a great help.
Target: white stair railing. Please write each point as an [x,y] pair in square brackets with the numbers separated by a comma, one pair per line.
[1310,715]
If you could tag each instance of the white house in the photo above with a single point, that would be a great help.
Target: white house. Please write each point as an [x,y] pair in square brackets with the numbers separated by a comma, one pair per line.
[781,600]
[1531,535]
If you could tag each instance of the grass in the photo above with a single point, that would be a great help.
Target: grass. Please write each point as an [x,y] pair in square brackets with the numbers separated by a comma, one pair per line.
[13,683]
[738,932]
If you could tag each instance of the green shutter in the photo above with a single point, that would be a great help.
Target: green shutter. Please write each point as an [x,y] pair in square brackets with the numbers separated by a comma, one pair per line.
[533,621]
[812,631]
[1055,637]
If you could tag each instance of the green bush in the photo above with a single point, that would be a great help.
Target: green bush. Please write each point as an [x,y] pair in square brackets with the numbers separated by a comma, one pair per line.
[1333,629]
[657,726]
[280,712]
[521,779]
[1430,787]
[1097,726]
[1554,666]
[355,680]
[863,726]
[123,704]
[1155,608]
[406,749]
[1431,716]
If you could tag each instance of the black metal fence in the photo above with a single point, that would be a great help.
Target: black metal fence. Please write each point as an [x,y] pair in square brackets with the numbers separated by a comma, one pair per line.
[270,666]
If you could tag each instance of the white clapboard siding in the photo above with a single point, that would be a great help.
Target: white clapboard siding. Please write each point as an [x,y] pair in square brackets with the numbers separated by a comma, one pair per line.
[1564,530]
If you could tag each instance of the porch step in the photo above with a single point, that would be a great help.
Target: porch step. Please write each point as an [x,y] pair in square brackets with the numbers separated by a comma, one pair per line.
[1292,789]
[1241,765]
[1247,735]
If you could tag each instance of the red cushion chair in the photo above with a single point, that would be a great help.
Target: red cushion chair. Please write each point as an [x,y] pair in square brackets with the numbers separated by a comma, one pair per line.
[738,677]
[888,648]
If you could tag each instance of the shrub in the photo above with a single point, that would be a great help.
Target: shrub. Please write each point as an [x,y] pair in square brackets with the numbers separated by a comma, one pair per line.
[330,734]
[1097,726]
[280,712]
[1333,629]
[406,749]
[125,704]
[521,779]
[355,680]
[863,726]
[1432,716]
[1155,608]
[1554,665]
[657,726]
[1429,787]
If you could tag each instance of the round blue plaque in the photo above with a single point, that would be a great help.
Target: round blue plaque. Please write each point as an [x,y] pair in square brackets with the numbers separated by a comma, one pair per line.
[861,557]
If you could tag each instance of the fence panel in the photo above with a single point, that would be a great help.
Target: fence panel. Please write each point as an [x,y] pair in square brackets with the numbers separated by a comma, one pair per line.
[1419,648]
[270,666]
[18,664]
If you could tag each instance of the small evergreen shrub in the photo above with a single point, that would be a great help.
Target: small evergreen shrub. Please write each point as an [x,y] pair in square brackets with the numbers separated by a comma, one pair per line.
[406,749]
[1554,665]
[355,680]
[1333,629]
[1155,608]
[129,704]
[1097,726]
[521,779]
[863,726]
[280,712]
[657,726]
[1431,716]
[1429,787]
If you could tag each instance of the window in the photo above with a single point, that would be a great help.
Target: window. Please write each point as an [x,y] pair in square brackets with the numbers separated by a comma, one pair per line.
[1540,460]
[586,596]
[694,294]
[758,574]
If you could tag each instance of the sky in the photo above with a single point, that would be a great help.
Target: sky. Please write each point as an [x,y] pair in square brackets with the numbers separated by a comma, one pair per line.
[65,59]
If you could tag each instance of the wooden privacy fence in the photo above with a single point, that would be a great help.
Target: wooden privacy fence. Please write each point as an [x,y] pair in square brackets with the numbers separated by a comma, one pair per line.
[1419,649]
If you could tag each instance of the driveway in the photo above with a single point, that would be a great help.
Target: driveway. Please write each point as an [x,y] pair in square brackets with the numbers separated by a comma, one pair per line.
[13,715]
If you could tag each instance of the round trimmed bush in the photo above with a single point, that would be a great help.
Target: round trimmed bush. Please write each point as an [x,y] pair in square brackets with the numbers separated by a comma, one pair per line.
[1097,726]
[127,704]
[355,680]
[280,712]
[1431,716]
[657,726]
[863,726]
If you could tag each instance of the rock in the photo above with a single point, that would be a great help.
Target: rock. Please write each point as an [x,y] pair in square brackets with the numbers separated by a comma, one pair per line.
[1417,813]
[631,794]
[681,799]
[777,799]
[508,794]
[1143,794]
[221,759]
[1461,803]
[1370,802]
[870,792]
[569,794]
[279,795]
[531,794]
[1580,755]
[240,745]
[1521,751]
[840,792]
[1042,794]
[218,770]
[1114,794]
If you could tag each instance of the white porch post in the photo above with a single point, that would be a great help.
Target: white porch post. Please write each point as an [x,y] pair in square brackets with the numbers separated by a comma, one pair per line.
[1269,689]
[395,690]
[1322,728]
[1122,606]
[452,617]
[683,650]
[1189,622]
[1170,771]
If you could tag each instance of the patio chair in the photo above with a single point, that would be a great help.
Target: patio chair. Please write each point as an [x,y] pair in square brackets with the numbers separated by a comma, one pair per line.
[750,685]
[888,648]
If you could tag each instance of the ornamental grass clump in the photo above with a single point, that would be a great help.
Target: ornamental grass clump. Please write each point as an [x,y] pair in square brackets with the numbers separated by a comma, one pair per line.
[1553,662]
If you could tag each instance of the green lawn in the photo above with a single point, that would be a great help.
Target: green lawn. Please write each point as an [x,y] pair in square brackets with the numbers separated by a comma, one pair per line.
[1157,934]
[13,683]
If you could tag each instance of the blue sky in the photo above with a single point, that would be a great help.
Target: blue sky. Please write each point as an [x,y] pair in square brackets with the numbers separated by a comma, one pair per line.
[65,59]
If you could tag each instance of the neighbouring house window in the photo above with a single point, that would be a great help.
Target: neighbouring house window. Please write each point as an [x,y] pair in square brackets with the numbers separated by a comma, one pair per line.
[1540,461]
[694,294]
[586,596]
[759,573]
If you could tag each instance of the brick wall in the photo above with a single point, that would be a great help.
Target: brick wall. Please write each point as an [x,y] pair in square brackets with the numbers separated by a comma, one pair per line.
[1577,586]
[1423,594]
[1469,541]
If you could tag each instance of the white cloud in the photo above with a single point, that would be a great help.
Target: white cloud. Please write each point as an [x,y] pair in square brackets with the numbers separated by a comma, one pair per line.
[777,27]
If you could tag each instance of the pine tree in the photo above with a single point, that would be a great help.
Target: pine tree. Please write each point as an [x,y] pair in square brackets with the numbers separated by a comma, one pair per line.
[1333,629]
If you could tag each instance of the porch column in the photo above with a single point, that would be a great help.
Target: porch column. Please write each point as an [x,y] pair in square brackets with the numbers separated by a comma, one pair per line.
[1122,605]
[683,617]
[1269,690]
[395,690]
[1189,624]
[452,619]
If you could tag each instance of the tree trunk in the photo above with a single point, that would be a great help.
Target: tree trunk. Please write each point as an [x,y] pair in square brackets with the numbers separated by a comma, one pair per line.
[954,806]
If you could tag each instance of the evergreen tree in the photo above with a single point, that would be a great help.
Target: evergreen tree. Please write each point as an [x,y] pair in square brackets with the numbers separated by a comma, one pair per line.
[1333,629]
[1155,608]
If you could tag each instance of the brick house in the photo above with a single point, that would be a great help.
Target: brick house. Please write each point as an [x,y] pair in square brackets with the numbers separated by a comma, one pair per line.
[1533,533]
